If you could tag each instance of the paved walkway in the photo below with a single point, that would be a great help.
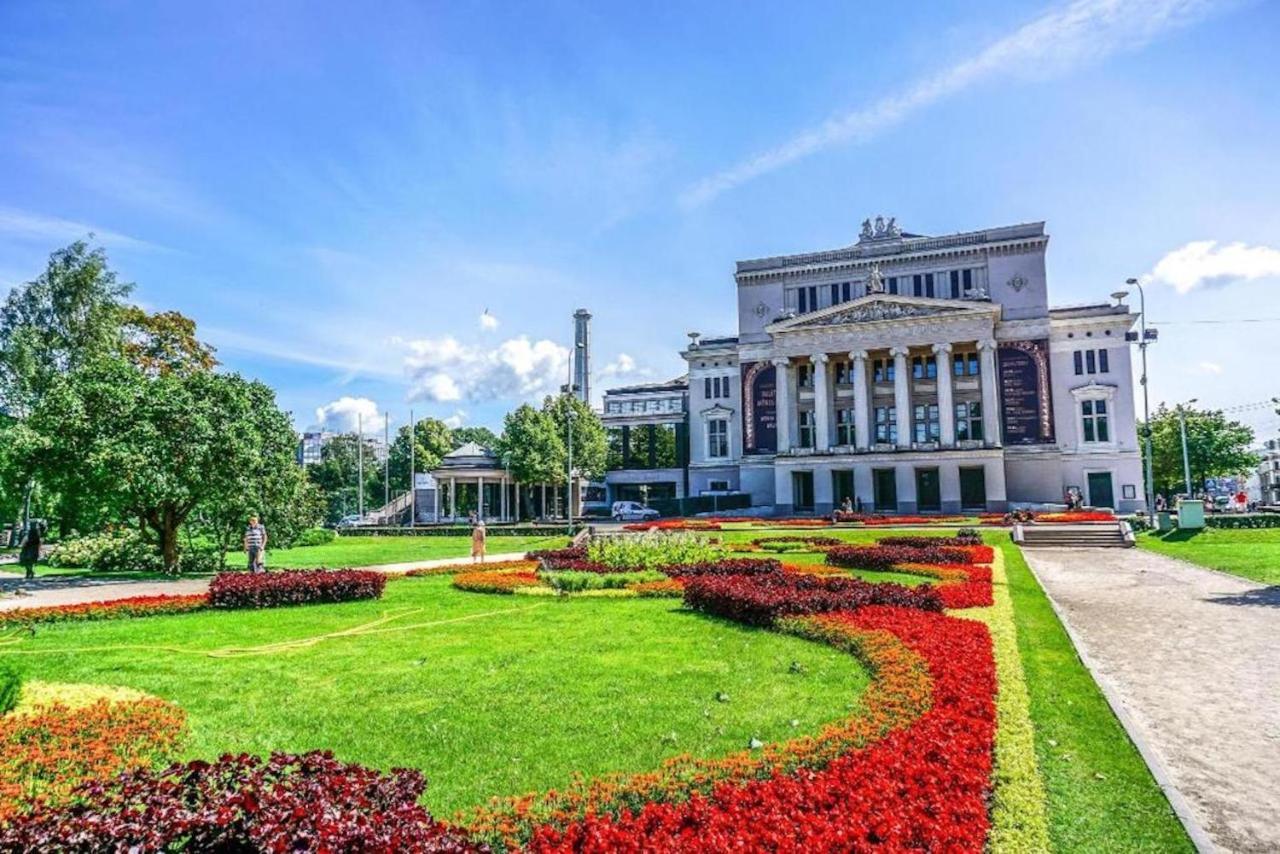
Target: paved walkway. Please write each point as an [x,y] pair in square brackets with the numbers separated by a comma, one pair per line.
[16,593]
[1193,658]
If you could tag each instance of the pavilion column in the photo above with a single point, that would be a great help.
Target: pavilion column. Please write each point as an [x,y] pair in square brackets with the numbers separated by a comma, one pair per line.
[453,498]
[946,409]
[990,393]
[479,497]
[821,403]
[544,499]
[502,500]
[861,401]
[436,516]
[902,395]
[517,497]
[782,399]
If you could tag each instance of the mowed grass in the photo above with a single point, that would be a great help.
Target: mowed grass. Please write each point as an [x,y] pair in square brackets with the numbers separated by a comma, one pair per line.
[487,695]
[370,551]
[1249,553]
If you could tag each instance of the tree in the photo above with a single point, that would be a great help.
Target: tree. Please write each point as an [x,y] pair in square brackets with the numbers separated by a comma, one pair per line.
[432,440]
[482,436]
[531,448]
[164,342]
[1216,447]
[590,444]
[336,474]
[158,448]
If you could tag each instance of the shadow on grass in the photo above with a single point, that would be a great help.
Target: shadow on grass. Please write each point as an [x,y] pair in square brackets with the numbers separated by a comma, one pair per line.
[1264,597]
[1179,535]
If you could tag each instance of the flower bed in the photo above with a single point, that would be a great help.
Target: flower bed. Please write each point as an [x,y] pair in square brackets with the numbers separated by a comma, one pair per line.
[1073,517]
[795,542]
[48,750]
[496,582]
[667,588]
[966,537]
[455,568]
[890,519]
[961,585]
[294,587]
[310,802]
[576,582]
[569,553]
[674,525]
[760,600]
[885,557]
[725,566]
[135,606]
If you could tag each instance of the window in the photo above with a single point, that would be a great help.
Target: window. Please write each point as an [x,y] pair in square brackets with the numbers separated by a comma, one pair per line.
[846,291]
[842,373]
[717,486]
[1094,417]
[922,285]
[964,364]
[927,426]
[806,428]
[807,299]
[804,376]
[840,292]
[886,425]
[882,370]
[706,388]
[1090,362]
[844,427]
[924,367]
[891,284]
[969,421]
[717,438]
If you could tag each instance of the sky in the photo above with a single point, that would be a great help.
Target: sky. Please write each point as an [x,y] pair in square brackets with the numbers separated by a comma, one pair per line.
[384,207]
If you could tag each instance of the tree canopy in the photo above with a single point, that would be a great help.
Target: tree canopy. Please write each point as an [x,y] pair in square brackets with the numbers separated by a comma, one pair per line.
[1216,447]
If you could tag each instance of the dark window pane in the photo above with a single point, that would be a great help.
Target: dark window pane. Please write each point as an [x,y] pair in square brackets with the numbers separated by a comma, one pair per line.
[804,301]
[706,391]
[1079,362]
[1103,368]
[1090,365]
[1102,429]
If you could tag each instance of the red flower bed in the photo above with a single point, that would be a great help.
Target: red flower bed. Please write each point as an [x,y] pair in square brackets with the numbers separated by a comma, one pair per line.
[962,539]
[568,553]
[962,585]
[815,540]
[1074,516]
[495,582]
[48,752]
[815,522]
[294,587]
[675,525]
[880,519]
[134,606]
[921,788]
[310,802]
[760,600]
[885,557]
[454,569]
[668,588]
[727,566]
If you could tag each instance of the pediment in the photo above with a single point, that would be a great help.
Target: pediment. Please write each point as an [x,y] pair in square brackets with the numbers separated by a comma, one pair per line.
[880,308]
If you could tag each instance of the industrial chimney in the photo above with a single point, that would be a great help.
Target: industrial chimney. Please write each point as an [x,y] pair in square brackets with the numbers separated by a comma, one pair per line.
[582,355]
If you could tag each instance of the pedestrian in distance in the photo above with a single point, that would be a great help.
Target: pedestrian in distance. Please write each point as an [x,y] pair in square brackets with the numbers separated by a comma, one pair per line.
[255,544]
[478,537]
[30,551]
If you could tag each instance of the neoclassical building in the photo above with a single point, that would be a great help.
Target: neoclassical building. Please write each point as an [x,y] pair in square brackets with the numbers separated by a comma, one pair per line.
[913,374]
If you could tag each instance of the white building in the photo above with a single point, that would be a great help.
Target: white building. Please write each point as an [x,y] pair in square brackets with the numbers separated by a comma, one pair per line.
[648,457]
[1268,473]
[914,374]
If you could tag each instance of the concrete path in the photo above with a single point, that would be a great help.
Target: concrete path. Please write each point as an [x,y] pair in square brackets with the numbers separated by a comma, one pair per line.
[17,593]
[1192,657]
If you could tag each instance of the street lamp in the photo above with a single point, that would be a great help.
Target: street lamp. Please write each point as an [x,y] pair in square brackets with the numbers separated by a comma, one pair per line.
[1143,338]
[1186,459]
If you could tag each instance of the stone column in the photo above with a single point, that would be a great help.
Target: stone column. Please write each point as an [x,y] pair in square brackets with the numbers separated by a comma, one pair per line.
[861,400]
[439,487]
[453,498]
[949,484]
[821,404]
[782,399]
[946,407]
[479,497]
[502,501]
[517,497]
[902,397]
[990,394]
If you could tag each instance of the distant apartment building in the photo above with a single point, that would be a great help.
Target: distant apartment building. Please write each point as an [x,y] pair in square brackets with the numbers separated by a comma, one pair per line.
[647,428]
[1269,472]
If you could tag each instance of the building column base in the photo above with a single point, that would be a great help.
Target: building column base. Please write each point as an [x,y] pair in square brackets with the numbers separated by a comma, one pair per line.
[997,506]
[906,508]
[951,508]
[784,509]
[824,508]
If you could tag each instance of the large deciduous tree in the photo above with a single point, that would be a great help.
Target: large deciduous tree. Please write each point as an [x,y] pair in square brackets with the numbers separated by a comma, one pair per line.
[1216,447]
[532,449]
[590,443]
[482,436]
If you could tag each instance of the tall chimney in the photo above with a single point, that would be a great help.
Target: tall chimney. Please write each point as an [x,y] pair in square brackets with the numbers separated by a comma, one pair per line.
[582,355]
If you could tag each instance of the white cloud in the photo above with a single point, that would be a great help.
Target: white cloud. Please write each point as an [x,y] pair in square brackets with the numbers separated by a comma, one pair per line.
[1203,263]
[487,321]
[622,364]
[456,420]
[346,414]
[443,369]
[28,226]
[1055,42]
[1212,368]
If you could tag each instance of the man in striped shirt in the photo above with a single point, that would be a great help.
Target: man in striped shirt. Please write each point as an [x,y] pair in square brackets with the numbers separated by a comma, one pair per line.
[255,544]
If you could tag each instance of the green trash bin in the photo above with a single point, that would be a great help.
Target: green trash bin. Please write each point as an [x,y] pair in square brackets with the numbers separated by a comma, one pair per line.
[1190,514]
[1164,521]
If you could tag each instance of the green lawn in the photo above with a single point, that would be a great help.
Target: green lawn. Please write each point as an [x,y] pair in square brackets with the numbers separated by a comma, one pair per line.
[518,697]
[1101,795]
[1249,553]
[369,551]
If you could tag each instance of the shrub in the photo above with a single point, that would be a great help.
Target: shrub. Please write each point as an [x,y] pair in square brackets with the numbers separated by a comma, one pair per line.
[575,582]
[883,557]
[134,606]
[119,550]
[316,537]
[652,550]
[310,802]
[726,566]
[10,687]
[966,537]
[1249,520]
[49,751]
[495,582]
[294,587]
[759,600]
[570,553]
[795,542]
[454,569]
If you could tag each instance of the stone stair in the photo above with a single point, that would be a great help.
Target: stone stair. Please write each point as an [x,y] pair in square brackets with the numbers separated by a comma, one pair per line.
[1094,536]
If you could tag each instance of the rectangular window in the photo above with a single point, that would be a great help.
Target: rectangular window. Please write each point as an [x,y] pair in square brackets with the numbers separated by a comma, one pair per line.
[813,298]
[802,297]
[1090,363]
[1093,414]
[842,373]
[886,418]
[928,428]
[892,284]
[1103,368]
[717,438]
[969,421]
[846,290]
[1078,357]
[835,293]
[806,428]
[955,284]
[804,376]
[706,388]
[844,427]
[964,364]
[928,284]
[717,486]
[966,282]
[917,285]
[882,370]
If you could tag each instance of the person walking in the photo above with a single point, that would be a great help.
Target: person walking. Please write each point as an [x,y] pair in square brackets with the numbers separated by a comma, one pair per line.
[478,537]
[255,544]
[30,551]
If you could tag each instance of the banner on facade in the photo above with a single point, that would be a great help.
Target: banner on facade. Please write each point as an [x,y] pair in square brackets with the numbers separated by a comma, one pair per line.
[1026,399]
[759,408]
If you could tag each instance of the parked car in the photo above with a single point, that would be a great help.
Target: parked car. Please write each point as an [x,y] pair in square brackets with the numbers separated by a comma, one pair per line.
[632,511]
[352,521]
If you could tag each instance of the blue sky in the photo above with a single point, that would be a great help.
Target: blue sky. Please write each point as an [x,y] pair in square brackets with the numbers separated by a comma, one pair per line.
[338,194]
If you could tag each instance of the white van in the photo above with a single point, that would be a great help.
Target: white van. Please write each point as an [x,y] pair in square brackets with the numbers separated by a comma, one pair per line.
[632,511]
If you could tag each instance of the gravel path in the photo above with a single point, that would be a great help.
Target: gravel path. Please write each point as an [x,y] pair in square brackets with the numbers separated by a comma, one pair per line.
[1193,658]
[17,593]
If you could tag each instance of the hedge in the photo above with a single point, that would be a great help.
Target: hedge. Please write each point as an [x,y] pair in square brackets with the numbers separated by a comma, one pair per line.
[294,587]
[459,531]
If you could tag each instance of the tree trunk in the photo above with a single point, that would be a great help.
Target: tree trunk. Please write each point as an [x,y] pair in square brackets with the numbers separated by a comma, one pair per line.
[169,540]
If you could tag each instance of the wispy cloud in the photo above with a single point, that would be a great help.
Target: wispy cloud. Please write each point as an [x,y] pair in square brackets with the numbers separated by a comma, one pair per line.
[1204,263]
[1210,368]
[24,225]
[1055,42]
[487,321]
[446,370]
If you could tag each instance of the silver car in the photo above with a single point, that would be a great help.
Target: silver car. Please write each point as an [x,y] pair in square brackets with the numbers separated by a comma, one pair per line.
[632,511]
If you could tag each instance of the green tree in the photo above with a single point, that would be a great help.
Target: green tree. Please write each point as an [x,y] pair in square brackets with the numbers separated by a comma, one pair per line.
[590,444]
[532,449]
[1216,447]
[164,342]
[157,449]
[336,474]
[482,436]
[432,439]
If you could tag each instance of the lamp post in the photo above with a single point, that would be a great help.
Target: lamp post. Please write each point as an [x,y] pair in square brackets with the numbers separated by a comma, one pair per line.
[1186,458]
[1143,340]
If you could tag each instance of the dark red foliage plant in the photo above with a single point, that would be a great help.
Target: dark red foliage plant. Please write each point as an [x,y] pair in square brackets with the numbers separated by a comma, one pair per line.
[727,566]
[884,557]
[759,600]
[294,587]
[309,802]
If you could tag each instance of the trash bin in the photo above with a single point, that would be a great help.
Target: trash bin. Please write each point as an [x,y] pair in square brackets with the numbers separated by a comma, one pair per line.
[1190,514]
[1164,521]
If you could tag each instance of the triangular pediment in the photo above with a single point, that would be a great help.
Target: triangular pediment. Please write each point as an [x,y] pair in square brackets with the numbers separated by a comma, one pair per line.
[884,308]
